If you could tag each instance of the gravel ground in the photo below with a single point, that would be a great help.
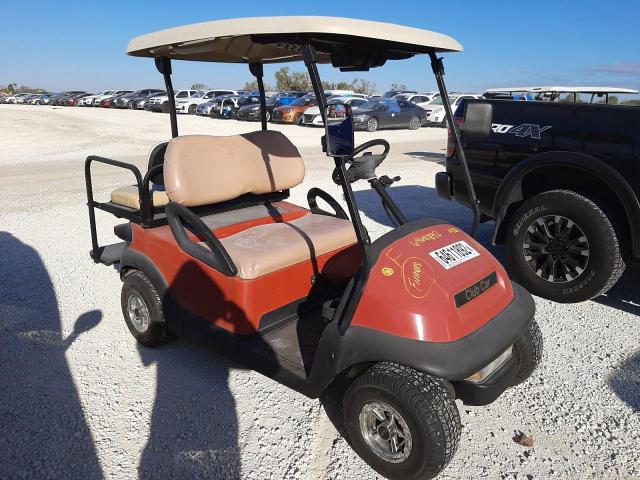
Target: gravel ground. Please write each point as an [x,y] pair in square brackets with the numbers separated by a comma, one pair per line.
[80,400]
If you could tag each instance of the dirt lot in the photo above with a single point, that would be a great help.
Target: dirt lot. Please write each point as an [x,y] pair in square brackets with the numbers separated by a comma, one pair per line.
[80,400]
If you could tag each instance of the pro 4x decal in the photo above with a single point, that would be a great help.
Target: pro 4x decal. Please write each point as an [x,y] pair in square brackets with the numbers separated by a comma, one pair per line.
[525,130]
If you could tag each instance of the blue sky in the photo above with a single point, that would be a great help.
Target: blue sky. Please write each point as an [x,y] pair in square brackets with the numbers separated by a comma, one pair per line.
[80,44]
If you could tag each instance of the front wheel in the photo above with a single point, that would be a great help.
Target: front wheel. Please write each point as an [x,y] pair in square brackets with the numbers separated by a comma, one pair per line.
[562,246]
[298,119]
[372,124]
[528,350]
[192,109]
[268,117]
[143,313]
[404,423]
[131,105]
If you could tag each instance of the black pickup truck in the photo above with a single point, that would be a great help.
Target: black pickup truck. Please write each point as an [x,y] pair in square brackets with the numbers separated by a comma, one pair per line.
[562,182]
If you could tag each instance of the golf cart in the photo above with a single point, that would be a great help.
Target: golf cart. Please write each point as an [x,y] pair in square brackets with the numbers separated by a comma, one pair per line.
[213,251]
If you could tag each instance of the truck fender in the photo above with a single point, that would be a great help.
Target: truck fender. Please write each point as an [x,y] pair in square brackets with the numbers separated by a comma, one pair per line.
[510,189]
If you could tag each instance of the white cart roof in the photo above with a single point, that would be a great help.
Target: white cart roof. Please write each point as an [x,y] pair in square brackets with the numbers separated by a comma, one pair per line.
[278,39]
[562,90]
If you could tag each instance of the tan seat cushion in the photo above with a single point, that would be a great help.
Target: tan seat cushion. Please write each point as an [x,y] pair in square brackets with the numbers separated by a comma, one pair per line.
[128,196]
[203,169]
[264,249]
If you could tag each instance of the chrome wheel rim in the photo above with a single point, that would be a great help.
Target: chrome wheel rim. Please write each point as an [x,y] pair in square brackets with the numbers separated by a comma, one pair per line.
[138,312]
[556,249]
[415,123]
[385,432]
[372,124]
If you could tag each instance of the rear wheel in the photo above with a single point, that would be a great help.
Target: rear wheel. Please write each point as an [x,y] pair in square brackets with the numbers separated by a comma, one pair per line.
[414,123]
[372,124]
[298,119]
[268,116]
[528,349]
[165,107]
[192,109]
[402,422]
[562,246]
[142,309]
[131,105]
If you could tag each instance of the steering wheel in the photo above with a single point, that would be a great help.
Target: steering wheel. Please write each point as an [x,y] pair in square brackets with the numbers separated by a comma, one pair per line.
[366,146]
[363,167]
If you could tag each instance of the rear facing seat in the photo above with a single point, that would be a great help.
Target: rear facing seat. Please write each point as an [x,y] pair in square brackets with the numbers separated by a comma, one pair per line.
[201,170]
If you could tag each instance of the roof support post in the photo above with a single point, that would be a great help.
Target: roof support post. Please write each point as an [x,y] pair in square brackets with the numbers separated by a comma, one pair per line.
[164,67]
[438,70]
[258,72]
[310,60]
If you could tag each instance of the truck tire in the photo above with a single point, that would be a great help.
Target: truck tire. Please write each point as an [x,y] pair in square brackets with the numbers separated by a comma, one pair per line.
[528,349]
[404,423]
[142,310]
[562,246]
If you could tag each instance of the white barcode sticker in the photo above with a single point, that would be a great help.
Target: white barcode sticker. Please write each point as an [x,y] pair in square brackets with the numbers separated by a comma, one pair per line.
[454,254]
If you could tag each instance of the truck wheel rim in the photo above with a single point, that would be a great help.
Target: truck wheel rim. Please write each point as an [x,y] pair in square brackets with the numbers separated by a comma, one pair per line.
[556,249]
[138,312]
[385,432]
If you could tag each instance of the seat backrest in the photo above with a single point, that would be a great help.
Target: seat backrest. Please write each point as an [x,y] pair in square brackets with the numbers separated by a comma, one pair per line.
[203,169]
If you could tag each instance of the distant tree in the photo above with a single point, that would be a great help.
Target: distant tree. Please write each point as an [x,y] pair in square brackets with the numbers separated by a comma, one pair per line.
[287,80]
[252,86]
[613,100]
[361,85]
[11,88]
[398,86]
[633,103]
[199,86]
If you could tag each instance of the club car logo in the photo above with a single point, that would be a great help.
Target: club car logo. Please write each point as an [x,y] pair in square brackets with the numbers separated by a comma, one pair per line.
[522,131]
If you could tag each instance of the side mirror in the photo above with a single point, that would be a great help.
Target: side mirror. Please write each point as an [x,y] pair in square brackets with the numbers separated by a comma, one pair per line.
[478,118]
[339,130]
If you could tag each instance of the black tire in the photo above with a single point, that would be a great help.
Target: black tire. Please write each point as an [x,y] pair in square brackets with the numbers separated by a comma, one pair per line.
[131,105]
[165,107]
[425,406]
[414,123]
[599,260]
[192,109]
[372,124]
[137,289]
[528,349]
[298,119]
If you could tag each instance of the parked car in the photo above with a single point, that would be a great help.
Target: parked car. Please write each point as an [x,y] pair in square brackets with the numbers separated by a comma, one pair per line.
[293,113]
[61,99]
[73,100]
[422,99]
[161,103]
[130,100]
[87,101]
[285,98]
[16,98]
[312,115]
[388,113]
[190,104]
[435,109]
[42,99]
[227,106]
[393,93]
[101,96]
[562,182]
[251,112]
[107,100]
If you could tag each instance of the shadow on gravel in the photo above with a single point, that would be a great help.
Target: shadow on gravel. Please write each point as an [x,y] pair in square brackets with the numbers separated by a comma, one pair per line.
[625,295]
[194,426]
[625,381]
[428,156]
[43,431]
[417,202]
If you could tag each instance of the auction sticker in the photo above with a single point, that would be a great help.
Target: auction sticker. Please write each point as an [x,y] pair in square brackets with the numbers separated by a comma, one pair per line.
[454,254]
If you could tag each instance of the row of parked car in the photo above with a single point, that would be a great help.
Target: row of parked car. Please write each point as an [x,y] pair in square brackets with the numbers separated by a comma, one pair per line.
[394,109]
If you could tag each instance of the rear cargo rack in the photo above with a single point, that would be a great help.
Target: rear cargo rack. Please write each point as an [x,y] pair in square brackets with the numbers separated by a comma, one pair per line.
[147,215]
